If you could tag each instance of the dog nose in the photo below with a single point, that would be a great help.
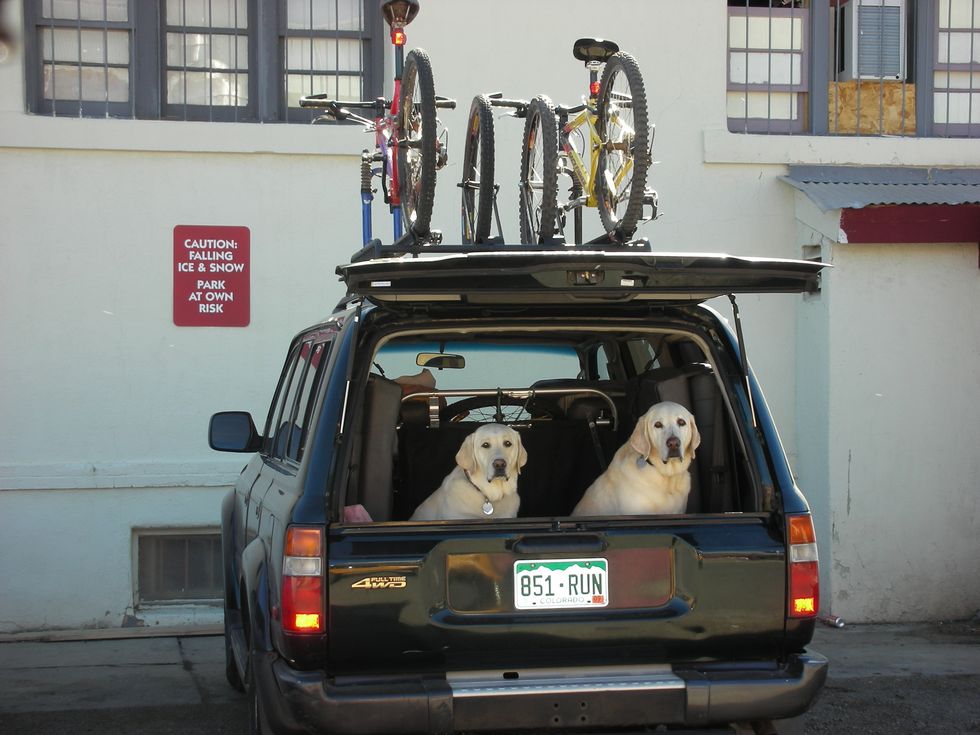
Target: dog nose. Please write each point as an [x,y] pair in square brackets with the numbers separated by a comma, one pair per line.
[500,464]
[673,444]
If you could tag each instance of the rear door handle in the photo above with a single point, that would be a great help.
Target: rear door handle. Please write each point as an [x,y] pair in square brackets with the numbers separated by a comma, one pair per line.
[587,543]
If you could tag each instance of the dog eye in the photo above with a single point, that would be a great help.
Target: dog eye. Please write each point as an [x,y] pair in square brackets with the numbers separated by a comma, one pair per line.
[658,425]
[681,422]
[508,443]
[485,445]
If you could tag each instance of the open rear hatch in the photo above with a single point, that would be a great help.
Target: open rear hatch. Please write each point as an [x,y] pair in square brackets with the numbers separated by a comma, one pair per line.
[500,276]
[520,594]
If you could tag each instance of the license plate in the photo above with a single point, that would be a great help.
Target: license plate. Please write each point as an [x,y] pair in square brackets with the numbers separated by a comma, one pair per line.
[541,584]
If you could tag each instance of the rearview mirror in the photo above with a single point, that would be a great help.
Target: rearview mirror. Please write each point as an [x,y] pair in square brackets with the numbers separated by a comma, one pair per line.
[440,360]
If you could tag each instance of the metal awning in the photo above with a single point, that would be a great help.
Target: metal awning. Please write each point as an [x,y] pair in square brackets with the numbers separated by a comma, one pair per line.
[854,187]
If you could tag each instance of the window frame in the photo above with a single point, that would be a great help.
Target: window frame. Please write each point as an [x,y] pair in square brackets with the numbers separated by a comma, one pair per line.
[266,33]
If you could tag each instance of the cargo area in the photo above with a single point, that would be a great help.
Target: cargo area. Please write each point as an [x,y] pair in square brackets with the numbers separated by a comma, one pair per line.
[447,595]
[573,393]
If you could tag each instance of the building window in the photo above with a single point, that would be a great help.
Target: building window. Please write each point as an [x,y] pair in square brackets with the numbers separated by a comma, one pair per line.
[215,60]
[854,67]
[956,79]
[206,59]
[767,66]
[178,566]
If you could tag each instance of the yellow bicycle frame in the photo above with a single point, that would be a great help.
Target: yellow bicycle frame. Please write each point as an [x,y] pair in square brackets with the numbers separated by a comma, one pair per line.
[585,176]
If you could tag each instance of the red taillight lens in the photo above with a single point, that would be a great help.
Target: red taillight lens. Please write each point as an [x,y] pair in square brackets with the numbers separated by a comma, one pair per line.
[302,604]
[594,89]
[302,581]
[398,37]
[804,572]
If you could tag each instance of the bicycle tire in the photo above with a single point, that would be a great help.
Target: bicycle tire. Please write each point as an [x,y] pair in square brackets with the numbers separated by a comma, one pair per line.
[538,215]
[417,142]
[476,207]
[620,200]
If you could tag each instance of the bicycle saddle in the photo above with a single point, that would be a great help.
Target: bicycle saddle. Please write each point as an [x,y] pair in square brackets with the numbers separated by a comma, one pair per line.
[594,49]
[399,13]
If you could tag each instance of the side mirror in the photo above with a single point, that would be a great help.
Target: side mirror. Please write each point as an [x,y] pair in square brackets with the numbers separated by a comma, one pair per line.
[440,360]
[233,431]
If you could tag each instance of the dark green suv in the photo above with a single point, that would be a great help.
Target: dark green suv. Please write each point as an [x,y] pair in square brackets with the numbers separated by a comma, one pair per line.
[344,616]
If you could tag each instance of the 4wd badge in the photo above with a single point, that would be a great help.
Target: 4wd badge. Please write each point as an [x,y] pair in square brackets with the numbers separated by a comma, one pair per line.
[380,583]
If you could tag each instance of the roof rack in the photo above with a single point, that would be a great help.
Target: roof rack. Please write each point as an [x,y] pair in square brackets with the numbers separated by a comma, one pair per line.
[411,244]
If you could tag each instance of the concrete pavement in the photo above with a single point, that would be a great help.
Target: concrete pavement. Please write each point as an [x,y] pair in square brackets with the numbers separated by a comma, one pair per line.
[184,669]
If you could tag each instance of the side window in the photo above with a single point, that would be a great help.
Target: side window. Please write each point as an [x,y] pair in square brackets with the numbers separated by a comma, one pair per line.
[642,355]
[316,357]
[601,363]
[277,425]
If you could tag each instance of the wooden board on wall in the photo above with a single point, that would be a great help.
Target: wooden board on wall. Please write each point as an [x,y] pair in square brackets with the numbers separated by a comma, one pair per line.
[885,107]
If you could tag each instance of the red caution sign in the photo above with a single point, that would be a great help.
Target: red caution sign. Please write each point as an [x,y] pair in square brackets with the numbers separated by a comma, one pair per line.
[211,276]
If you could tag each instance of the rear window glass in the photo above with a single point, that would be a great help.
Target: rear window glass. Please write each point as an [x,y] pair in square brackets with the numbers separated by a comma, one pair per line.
[483,365]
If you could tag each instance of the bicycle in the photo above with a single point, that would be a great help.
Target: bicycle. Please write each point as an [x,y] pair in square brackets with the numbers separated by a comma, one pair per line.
[407,143]
[479,190]
[611,129]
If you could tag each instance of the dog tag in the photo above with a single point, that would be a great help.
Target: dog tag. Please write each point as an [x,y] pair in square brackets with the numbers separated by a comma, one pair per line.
[488,508]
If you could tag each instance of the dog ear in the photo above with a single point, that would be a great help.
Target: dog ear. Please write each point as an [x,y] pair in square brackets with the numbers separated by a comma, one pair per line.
[466,456]
[640,439]
[521,453]
[695,436]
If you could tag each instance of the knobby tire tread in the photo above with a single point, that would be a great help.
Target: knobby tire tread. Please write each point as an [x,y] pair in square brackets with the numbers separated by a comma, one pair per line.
[478,203]
[540,115]
[417,72]
[622,228]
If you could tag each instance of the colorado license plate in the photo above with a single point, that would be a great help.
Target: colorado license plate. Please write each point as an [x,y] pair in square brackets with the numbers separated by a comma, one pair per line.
[541,584]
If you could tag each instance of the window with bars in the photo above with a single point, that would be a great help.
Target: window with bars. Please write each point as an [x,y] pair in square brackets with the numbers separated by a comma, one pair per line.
[178,566]
[956,78]
[854,67]
[219,60]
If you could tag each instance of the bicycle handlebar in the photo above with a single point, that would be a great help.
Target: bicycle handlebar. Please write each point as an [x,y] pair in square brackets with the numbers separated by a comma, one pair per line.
[562,109]
[445,103]
[320,101]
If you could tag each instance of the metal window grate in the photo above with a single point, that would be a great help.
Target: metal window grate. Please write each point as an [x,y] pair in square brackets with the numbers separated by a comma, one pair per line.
[207,69]
[956,76]
[213,60]
[768,56]
[85,52]
[179,567]
[325,52]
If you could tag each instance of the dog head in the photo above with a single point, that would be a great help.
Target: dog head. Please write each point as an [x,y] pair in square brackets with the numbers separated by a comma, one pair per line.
[492,457]
[666,436]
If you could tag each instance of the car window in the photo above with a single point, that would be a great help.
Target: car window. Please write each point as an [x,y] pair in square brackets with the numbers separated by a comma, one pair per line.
[487,365]
[274,434]
[315,356]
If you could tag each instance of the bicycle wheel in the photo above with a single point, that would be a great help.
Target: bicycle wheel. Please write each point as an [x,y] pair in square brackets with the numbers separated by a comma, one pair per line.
[624,156]
[539,172]
[417,142]
[477,186]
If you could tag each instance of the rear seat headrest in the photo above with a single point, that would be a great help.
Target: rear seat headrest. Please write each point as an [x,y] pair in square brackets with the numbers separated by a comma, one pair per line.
[589,408]
[415,411]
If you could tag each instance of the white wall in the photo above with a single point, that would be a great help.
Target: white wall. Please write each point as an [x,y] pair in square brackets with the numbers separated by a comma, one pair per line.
[904,346]
[100,391]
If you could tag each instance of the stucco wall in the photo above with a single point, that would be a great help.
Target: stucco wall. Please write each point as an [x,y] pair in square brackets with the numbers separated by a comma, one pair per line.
[105,403]
[904,350]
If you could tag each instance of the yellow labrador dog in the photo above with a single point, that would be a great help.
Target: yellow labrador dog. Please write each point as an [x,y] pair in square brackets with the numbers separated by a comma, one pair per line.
[648,474]
[484,482]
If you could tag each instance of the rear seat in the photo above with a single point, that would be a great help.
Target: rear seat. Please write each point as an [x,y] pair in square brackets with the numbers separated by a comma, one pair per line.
[562,462]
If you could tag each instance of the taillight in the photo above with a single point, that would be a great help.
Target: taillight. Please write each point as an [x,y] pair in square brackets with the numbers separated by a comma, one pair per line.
[594,88]
[804,573]
[302,581]
[398,37]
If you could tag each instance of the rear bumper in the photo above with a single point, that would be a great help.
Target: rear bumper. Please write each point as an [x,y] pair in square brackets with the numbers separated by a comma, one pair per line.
[303,701]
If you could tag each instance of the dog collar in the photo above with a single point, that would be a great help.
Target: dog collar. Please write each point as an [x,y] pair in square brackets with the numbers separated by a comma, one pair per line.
[487,505]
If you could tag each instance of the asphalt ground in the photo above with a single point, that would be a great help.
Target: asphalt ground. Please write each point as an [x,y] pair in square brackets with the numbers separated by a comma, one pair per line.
[888,679]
